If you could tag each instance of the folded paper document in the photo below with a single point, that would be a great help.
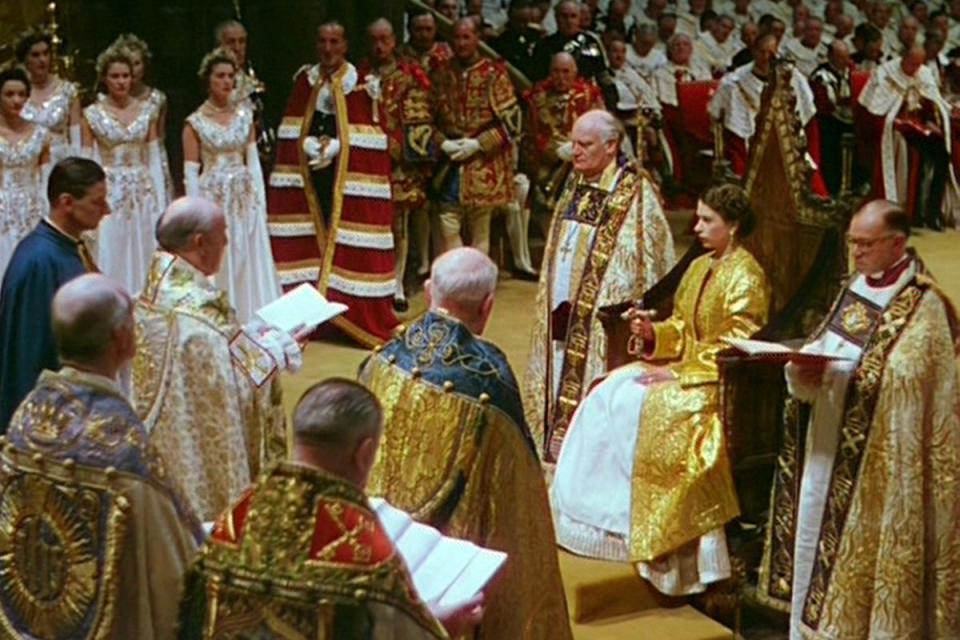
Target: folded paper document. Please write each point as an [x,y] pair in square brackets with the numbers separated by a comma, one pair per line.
[299,309]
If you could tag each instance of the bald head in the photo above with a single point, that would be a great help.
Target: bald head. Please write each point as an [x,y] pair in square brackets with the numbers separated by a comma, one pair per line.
[839,55]
[185,218]
[601,123]
[194,229]
[878,236]
[913,59]
[463,281]
[382,40]
[563,71]
[92,317]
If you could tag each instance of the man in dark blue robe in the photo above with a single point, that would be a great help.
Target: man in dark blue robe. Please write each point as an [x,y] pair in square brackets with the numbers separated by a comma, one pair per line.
[49,256]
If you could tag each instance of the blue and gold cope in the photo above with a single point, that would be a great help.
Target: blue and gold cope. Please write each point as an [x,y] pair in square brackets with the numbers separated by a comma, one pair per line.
[62,419]
[443,352]
[454,450]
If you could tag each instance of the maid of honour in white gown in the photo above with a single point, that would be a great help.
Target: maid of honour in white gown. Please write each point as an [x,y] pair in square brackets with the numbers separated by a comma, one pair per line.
[24,160]
[121,133]
[221,164]
[53,103]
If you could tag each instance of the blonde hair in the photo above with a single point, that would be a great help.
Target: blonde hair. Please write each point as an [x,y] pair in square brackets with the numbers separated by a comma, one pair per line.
[109,56]
[134,44]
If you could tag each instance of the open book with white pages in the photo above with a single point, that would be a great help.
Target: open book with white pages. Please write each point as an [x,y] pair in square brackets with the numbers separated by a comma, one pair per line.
[776,351]
[300,309]
[447,572]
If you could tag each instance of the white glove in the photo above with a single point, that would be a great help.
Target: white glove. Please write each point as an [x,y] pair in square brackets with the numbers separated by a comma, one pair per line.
[279,344]
[191,178]
[320,152]
[565,151]
[468,147]
[450,147]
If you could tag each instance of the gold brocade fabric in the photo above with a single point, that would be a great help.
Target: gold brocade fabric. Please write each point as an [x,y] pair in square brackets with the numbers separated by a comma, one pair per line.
[462,464]
[302,555]
[478,102]
[682,484]
[895,571]
[643,254]
[208,420]
[92,541]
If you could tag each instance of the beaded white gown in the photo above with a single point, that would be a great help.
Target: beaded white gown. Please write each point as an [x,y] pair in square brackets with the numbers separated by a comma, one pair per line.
[231,176]
[54,114]
[23,200]
[135,191]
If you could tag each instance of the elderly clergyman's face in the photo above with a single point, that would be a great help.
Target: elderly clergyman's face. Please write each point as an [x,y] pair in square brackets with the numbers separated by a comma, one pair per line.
[591,154]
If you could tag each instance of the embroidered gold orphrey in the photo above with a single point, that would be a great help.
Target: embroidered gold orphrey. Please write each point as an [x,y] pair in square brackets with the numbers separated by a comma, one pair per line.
[862,397]
[610,218]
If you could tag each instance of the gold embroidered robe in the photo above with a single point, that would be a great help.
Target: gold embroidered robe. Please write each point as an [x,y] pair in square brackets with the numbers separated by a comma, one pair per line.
[887,561]
[477,101]
[95,542]
[608,243]
[317,536]
[454,454]
[682,484]
[204,389]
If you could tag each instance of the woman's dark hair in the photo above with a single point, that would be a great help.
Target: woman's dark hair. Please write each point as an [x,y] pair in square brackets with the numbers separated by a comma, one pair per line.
[74,176]
[14,74]
[731,203]
[28,40]
[211,60]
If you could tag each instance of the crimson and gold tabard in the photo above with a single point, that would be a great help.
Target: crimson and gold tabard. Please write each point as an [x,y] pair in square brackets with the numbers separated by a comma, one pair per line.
[302,555]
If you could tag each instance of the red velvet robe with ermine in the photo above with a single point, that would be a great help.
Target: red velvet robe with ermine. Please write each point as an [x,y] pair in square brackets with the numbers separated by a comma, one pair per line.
[346,251]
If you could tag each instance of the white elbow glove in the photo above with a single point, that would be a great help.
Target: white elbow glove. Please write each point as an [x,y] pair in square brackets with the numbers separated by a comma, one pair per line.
[565,151]
[191,178]
[75,139]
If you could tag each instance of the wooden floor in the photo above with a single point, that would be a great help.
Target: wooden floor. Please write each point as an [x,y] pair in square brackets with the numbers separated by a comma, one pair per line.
[510,329]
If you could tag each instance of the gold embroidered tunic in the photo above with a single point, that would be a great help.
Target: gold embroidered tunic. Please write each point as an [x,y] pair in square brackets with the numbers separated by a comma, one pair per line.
[478,101]
[682,485]
[302,555]
[203,387]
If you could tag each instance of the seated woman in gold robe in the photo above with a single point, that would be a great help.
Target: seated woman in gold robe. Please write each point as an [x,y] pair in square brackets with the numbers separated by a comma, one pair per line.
[648,440]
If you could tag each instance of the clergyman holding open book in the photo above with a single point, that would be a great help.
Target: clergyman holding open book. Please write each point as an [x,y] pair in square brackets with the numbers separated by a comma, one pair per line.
[866,495]
[205,387]
[307,525]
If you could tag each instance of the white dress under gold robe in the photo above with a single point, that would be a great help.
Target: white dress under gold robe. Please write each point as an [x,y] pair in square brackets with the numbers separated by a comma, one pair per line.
[656,453]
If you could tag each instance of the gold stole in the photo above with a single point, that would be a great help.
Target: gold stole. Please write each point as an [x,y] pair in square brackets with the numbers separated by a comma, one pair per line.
[614,211]
[776,573]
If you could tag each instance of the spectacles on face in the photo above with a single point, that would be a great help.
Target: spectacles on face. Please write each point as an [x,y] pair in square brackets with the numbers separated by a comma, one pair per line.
[868,243]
